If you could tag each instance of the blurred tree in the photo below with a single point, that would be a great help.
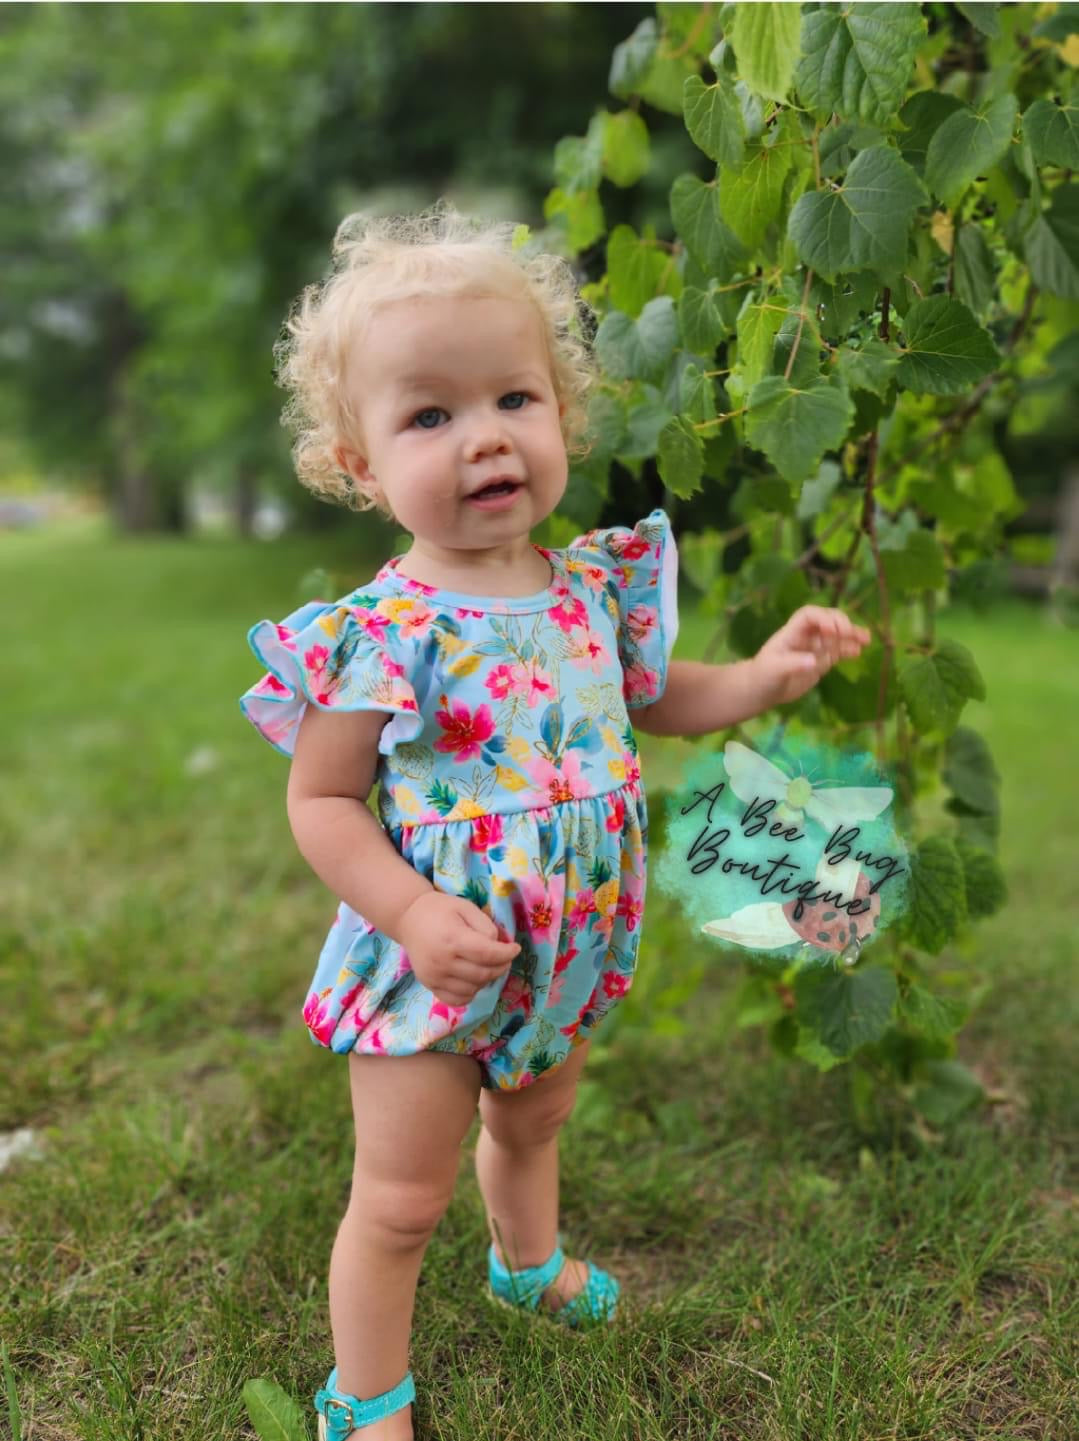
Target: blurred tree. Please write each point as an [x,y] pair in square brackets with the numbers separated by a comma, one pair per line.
[174,175]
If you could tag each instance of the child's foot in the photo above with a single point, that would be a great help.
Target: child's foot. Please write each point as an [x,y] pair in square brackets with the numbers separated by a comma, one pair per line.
[570,1282]
[397,1427]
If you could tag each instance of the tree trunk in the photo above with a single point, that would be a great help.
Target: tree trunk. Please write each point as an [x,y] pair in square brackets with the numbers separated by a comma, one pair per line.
[246,499]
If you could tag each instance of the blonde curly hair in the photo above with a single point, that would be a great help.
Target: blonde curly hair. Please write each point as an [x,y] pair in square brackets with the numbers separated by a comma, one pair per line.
[379,259]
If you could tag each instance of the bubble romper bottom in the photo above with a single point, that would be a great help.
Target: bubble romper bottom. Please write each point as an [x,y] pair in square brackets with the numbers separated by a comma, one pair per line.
[508,774]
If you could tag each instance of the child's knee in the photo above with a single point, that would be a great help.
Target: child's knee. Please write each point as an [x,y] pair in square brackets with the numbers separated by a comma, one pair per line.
[401,1217]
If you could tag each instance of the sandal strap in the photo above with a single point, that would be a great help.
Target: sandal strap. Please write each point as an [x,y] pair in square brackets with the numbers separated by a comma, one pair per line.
[524,1287]
[345,1414]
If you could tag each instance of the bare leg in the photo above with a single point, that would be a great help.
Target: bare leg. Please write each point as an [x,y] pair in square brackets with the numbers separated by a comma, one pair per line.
[517,1170]
[411,1115]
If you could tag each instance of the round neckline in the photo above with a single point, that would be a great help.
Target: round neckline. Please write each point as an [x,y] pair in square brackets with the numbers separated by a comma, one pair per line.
[539,600]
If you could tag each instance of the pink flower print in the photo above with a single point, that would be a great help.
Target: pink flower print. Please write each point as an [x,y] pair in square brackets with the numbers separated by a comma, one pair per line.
[569,612]
[270,685]
[353,1013]
[586,648]
[285,637]
[315,664]
[391,667]
[594,576]
[561,783]
[638,680]
[617,815]
[465,732]
[517,995]
[562,961]
[632,767]
[499,681]
[630,907]
[318,1021]
[416,620]
[574,1026]
[462,614]
[642,621]
[444,1018]
[528,680]
[584,905]
[486,832]
[634,548]
[537,910]
[615,984]
[371,622]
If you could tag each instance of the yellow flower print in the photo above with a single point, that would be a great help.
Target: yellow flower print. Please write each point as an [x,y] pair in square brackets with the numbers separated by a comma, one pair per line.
[518,860]
[511,780]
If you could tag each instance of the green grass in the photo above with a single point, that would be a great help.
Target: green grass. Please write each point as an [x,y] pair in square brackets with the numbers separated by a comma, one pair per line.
[782,1279]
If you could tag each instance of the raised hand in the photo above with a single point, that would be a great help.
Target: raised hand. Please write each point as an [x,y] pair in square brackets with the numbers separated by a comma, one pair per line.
[792,661]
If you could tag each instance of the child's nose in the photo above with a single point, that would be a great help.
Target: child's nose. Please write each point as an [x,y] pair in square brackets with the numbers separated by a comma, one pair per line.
[487,436]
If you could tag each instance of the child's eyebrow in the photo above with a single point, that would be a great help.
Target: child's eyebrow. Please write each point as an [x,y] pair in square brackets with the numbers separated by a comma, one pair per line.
[414,384]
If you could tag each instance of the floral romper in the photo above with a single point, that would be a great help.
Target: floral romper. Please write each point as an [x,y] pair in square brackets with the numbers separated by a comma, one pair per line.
[508,775]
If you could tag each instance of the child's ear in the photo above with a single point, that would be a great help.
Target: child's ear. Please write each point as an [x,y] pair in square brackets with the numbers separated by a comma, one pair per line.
[356,466]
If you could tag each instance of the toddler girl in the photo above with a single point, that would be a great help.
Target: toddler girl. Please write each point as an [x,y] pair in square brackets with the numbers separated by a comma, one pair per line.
[492,919]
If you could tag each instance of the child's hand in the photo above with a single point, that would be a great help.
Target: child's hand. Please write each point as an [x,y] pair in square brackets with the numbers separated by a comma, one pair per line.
[794,659]
[453,946]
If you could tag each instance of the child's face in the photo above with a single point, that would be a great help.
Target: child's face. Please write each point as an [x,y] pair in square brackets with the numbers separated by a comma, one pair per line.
[455,393]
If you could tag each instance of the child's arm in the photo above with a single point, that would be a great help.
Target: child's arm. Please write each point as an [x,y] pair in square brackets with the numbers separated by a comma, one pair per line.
[699,699]
[452,945]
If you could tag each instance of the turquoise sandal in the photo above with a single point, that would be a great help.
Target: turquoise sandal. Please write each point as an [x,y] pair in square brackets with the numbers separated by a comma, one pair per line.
[340,1414]
[524,1290]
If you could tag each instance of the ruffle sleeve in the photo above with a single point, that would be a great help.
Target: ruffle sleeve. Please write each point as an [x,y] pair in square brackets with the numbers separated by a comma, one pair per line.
[335,657]
[641,567]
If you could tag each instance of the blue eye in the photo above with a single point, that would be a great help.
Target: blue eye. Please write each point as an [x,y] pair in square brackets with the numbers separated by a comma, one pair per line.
[431,410]
[515,394]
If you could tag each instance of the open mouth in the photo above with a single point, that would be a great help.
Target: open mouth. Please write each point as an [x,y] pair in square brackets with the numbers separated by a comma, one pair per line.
[497,490]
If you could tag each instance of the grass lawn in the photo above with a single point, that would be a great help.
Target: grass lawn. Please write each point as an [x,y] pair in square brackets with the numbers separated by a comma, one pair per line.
[170,1237]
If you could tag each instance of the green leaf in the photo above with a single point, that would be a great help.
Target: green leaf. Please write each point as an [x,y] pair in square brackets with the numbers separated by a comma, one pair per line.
[634,269]
[680,458]
[857,59]
[974,275]
[948,1090]
[702,323]
[647,417]
[923,115]
[638,349]
[937,686]
[986,888]
[1052,245]
[626,148]
[863,223]
[1053,132]
[1059,26]
[758,325]
[579,213]
[969,143]
[846,1009]
[793,427]
[870,368]
[714,119]
[696,394]
[936,1017]
[919,565]
[982,16]
[274,1415]
[633,59]
[817,492]
[766,42]
[946,349]
[936,895]
[695,212]
[750,197]
[969,771]
[805,368]
[578,161]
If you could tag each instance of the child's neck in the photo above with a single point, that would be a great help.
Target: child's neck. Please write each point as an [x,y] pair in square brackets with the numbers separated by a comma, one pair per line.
[505,576]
